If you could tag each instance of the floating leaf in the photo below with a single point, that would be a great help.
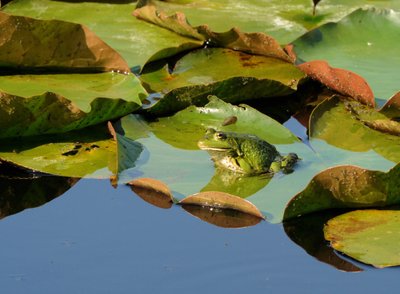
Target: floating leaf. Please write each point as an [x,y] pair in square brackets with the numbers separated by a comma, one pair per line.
[253,43]
[360,129]
[136,41]
[40,45]
[362,47]
[342,81]
[346,187]
[42,104]
[233,76]
[369,236]
[152,191]
[187,127]
[222,200]
[86,153]
[225,218]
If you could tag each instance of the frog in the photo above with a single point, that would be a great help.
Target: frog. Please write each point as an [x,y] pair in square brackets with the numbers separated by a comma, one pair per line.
[245,153]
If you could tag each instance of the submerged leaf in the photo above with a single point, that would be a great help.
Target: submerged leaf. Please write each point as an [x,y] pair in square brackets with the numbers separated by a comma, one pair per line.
[53,45]
[369,236]
[222,200]
[233,76]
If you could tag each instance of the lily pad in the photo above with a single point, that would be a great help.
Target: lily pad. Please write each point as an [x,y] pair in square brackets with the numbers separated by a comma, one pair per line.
[87,153]
[42,104]
[369,236]
[360,129]
[361,48]
[346,187]
[253,43]
[222,200]
[40,45]
[231,75]
[135,40]
[152,191]
[342,81]
[185,128]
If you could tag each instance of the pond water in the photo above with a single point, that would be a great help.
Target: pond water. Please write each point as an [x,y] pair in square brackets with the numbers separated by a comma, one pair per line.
[97,239]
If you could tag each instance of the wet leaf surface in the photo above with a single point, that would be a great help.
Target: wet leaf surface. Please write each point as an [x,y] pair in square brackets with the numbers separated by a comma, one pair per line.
[40,104]
[369,236]
[37,45]
[346,187]
[233,76]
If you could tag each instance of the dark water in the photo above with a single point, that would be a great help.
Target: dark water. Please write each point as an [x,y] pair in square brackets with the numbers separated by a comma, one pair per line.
[96,239]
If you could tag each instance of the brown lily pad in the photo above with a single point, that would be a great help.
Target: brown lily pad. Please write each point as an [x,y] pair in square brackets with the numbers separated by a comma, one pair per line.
[54,45]
[342,81]
[152,191]
[222,200]
[225,218]
[253,43]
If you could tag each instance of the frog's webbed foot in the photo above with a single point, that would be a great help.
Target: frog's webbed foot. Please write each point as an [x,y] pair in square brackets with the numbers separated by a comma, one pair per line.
[288,162]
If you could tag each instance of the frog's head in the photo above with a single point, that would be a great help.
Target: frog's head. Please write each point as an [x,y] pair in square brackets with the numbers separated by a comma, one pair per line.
[220,142]
[241,153]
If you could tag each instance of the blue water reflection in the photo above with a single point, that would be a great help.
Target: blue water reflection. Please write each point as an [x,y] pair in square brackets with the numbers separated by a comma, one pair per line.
[95,239]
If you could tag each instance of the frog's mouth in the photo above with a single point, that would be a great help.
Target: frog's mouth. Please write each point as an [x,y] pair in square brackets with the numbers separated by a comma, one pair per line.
[206,147]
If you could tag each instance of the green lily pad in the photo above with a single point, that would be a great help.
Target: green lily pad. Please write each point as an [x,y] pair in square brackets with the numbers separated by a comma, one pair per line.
[361,128]
[361,47]
[346,187]
[43,104]
[253,43]
[87,153]
[185,128]
[283,22]
[135,40]
[40,45]
[368,236]
[233,76]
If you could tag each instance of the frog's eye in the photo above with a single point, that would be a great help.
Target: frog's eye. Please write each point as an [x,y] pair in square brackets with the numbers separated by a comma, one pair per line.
[220,136]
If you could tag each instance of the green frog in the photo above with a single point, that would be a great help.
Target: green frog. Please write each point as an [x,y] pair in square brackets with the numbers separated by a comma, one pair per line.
[245,154]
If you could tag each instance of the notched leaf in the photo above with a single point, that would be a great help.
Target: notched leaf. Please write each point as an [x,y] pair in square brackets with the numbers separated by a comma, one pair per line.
[342,81]
[221,200]
[152,191]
